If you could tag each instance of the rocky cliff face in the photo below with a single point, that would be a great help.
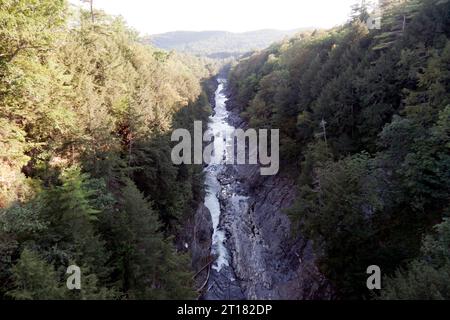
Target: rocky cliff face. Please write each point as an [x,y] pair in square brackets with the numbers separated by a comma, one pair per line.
[201,241]
[267,261]
[196,237]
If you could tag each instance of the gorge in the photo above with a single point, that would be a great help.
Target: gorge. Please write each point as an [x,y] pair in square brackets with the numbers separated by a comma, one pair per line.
[88,176]
[256,257]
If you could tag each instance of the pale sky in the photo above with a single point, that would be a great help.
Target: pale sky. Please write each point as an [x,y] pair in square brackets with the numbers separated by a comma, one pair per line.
[158,16]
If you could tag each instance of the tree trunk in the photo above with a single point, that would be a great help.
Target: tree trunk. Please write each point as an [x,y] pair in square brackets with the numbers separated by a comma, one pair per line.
[92,10]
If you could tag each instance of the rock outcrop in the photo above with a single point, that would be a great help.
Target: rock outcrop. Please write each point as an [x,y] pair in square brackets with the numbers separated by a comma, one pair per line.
[196,238]
[265,261]
[268,262]
[202,237]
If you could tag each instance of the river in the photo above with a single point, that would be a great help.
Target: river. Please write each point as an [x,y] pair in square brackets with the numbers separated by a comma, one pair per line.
[256,257]
[222,282]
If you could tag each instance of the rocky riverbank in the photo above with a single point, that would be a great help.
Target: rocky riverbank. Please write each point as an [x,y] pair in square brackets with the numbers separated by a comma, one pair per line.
[268,262]
[264,261]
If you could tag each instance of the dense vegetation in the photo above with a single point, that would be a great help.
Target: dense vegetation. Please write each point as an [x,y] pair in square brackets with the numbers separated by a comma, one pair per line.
[85,170]
[364,117]
[217,44]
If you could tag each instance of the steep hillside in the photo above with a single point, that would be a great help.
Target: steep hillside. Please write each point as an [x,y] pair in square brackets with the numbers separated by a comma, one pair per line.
[86,176]
[364,117]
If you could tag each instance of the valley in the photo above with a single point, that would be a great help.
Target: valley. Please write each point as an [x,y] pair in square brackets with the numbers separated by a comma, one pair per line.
[354,174]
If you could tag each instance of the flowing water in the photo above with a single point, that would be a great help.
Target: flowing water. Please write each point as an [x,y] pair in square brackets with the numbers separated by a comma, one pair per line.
[222,283]
[219,128]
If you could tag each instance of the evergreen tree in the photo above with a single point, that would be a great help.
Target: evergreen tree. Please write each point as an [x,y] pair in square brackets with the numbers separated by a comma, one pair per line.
[148,265]
[80,99]
[363,117]
[427,278]
[35,279]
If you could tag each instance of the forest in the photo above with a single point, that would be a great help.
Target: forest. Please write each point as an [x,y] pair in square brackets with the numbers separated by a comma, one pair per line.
[85,170]
[218,44]
[87,108]
[364,119]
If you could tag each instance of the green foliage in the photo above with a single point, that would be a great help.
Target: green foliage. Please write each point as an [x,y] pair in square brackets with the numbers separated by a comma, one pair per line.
[427,278]
[148,265]
[419,282]
[152,268]
[22,220]
[28,25]
[35,279]
[363,114]
[71,216]
[337,210]
[84,107]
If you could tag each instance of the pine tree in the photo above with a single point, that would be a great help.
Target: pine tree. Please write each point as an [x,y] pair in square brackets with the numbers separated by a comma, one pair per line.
[148,264]
[35,279]
[72,218]
[427,278]
[83,103]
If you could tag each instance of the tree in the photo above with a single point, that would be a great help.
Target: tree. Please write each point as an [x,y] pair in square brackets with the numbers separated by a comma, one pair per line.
[28,25]
[13,147]
[72,217]
[427,278]
[336,211]
[35,279]
[396,15]
[91,5]
[381,183]
[148,265]
[83,105]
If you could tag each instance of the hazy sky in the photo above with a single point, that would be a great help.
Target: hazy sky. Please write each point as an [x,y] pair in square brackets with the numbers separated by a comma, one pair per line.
[157,16]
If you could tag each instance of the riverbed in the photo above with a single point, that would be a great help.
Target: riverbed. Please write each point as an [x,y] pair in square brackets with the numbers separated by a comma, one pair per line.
[222,283]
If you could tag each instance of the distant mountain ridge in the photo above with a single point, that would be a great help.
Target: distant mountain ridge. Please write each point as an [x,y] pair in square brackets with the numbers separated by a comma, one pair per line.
[218,44]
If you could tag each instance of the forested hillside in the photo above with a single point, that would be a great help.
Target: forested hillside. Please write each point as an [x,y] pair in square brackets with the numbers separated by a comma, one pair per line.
[364,117]
[218,44]
[85,171]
